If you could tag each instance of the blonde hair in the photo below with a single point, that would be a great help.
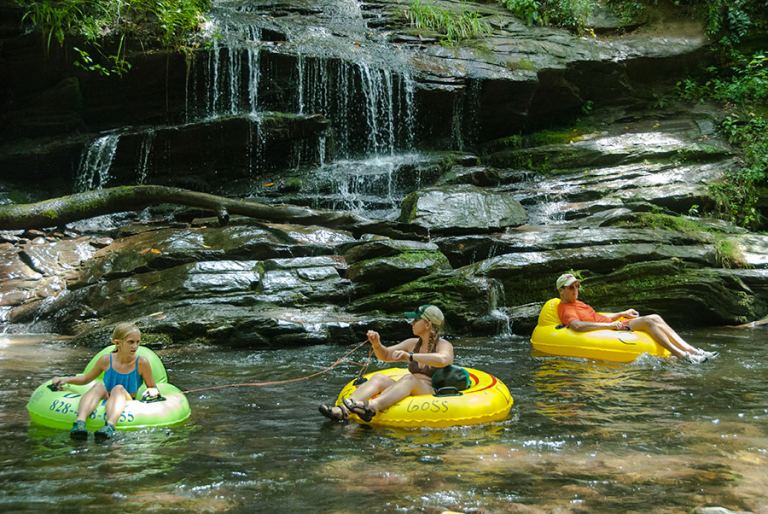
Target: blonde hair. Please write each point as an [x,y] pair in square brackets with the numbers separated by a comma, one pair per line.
[124,328]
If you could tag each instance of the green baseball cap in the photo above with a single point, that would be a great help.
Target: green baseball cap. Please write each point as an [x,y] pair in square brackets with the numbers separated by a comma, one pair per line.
[428,312]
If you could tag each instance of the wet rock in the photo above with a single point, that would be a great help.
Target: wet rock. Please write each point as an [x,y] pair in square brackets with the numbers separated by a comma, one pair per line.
[462,209]
[384,248]
[467,249]
[167,247]
[383,273]
[464,298]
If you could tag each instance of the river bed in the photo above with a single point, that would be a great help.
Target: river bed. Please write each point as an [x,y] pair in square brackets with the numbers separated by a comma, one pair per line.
[582,437]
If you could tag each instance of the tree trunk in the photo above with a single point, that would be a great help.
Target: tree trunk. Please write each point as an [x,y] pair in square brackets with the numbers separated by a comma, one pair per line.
[59,211]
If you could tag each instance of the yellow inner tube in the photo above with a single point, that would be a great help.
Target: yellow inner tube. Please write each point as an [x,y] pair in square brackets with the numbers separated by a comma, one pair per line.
[607,345]
[58,409]
[486,400]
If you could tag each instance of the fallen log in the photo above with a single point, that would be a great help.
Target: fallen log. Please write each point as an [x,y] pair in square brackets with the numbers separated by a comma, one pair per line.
[57,212]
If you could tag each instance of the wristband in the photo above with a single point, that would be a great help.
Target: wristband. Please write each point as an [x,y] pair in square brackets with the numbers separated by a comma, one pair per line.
[410,356]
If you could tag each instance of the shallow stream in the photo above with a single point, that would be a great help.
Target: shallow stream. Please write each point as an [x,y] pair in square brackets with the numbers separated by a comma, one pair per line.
[582,437]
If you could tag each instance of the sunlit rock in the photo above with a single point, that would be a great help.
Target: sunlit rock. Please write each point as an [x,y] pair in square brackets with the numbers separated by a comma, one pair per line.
[462,209]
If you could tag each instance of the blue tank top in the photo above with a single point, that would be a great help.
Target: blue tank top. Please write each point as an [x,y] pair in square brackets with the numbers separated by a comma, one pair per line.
[131,380]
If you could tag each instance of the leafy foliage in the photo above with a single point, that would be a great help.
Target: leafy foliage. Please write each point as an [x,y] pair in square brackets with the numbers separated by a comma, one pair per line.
[572,14]
[99,22]
[452,26]
[743,91]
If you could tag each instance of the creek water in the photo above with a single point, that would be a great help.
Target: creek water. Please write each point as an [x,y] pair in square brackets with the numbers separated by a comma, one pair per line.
[582,437]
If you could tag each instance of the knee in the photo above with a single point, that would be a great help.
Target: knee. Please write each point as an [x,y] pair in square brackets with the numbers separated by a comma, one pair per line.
[118,390]
[380,381]
[98,389]
[655,319]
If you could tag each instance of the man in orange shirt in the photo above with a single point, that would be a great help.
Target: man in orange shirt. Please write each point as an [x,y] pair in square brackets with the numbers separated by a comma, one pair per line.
[581,317]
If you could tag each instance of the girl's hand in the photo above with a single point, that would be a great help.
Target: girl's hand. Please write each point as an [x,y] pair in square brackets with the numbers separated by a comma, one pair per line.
[151,392]
[400,355]
[617,325]
[57,382]
[630,313]
[373,338]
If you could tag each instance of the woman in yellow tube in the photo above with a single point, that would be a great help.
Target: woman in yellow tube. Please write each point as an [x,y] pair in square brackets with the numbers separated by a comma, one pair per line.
[424,353]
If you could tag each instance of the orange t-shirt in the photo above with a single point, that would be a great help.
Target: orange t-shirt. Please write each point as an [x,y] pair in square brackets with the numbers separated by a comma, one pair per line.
[579,311]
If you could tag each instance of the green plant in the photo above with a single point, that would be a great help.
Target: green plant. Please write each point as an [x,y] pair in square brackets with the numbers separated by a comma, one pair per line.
[729,255]
[103,24]
[526,10]
[452,26]
[53,18]
[572,14]
[742,89]
[521,64]
[657,220]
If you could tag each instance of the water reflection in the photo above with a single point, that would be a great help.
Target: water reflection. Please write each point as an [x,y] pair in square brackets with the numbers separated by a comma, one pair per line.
[583,437]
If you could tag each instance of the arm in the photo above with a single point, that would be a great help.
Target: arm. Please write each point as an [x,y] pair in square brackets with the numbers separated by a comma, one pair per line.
[386,354]
[145,370]
[629,313]
[442,357]
[586,326]
[98,369]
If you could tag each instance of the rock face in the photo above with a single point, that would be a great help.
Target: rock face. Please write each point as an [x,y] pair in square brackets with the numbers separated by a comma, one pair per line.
[462,208]
[326,106]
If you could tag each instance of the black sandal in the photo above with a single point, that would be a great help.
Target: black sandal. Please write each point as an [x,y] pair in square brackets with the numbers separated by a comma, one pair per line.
[328,412]
[362,409]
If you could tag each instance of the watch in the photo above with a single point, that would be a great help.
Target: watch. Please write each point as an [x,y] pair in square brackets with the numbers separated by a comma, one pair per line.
[410,356]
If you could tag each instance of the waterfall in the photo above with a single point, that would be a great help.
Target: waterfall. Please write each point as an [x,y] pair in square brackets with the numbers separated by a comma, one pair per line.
[371,110]
[228,83]
[408,111]
[95,161]
[465,122]
[142,171]
[496,303]
[254,68]
[256,141]
[457,138]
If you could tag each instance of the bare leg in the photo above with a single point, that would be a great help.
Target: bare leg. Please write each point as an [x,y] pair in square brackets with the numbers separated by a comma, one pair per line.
[90,400]
[409,385]
[674,336]
[118,398]
[662,334]
[374,385]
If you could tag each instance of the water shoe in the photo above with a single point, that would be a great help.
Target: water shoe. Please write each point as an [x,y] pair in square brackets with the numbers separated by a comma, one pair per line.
[104,433]
[78,431]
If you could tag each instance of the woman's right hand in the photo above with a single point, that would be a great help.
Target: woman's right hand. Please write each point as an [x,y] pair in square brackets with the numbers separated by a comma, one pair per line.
[373,338]
[57,382]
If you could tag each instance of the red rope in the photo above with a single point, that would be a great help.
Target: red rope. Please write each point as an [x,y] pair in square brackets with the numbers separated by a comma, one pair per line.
[278,382]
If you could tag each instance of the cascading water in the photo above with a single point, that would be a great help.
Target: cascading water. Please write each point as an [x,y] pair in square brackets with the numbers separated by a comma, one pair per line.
[367,96]
[146,150]
[95,161]
[496,307]
[226,79]
[335,89]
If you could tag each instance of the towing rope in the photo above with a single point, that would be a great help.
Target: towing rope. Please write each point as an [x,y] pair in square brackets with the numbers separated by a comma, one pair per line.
[290,380]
